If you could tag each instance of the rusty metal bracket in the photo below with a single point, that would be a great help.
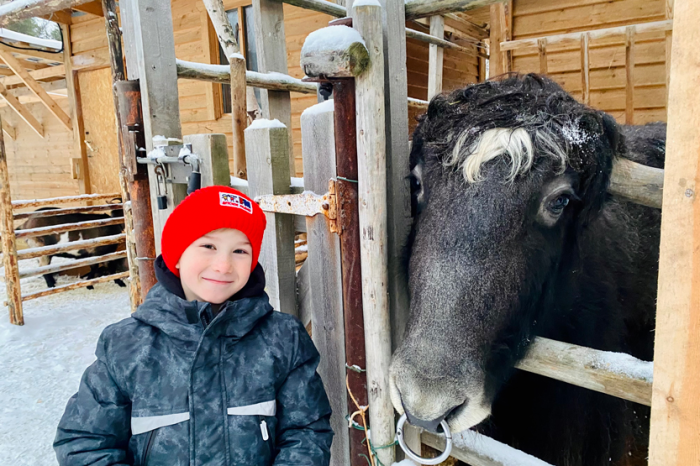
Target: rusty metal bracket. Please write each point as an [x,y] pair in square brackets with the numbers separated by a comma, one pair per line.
[307,204]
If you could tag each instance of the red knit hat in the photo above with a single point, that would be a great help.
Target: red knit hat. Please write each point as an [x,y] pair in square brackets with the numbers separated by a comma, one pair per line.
[206,210]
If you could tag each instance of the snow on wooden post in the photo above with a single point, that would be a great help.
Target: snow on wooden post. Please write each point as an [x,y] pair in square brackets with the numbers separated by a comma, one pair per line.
[9,246]
[324,272]
[675,404]
[371,158]
[334,51]
[267,158]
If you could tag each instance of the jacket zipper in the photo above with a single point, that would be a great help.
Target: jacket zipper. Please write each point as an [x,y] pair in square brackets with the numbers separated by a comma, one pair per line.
[148,447]
[263,428]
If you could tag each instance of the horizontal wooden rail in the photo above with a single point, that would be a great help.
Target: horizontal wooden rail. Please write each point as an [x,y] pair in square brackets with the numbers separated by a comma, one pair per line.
[422,8]
[73,286]
[72,265]
[423,37]
[63,200]
[479,450]
[615,374]
[656,26]
[32,253]
[71,210]
[417,104]
[222,74]
[56,229]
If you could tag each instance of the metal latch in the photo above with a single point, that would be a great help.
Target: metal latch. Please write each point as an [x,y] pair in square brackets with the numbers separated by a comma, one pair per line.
[182,164]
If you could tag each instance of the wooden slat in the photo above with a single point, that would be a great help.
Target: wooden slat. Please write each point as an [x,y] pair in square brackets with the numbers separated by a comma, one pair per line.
[34,203]
[675,422]
[542,50]
[57,229]
[9,130]
[435,57]
[22,111]
[585,69]
[53,57]
[421,8]
[39,75]
[74,286]
[32,253]
[69,210]
[498,36]
[93,8]
[48,269]
[36,88]
[629,68]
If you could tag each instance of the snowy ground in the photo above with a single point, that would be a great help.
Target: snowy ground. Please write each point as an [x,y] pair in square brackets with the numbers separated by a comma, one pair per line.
[42,361]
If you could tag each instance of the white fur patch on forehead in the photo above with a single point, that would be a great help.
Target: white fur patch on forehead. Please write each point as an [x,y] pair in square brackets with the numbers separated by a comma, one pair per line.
[515,143]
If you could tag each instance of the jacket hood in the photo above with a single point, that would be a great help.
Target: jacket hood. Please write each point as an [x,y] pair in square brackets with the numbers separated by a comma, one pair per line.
[166,308]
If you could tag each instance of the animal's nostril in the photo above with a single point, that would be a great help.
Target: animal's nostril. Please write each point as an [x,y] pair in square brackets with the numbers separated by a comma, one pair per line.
[431,425]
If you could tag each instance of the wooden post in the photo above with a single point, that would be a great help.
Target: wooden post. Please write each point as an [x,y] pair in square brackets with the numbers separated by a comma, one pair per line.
[267,154]
[371,158]
[669,40]
[9,246]
[150,51]
[272,56]
[629,74]
[239,115]
[542,50]
[325,278]
[213,152]
[675,405]
[585,69]
[435,56]
[497,35]
[73,87]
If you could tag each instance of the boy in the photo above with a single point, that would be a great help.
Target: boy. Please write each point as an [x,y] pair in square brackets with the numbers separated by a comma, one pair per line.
[204,372]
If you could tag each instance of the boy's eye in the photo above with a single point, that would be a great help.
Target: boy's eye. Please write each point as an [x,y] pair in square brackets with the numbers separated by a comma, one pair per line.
[208,246]
[240,251]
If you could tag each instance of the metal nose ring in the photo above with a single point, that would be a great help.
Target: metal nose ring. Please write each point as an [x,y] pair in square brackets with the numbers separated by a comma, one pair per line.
[416,458]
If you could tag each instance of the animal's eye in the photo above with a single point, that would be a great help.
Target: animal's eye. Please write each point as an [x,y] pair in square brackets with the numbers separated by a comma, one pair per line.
[557,206]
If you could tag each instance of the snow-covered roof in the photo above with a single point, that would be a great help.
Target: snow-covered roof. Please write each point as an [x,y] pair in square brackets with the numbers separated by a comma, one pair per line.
[19,37]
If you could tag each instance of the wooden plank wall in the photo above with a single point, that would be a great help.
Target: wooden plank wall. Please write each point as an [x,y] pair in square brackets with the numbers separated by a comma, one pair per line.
[40,168]
[538,18]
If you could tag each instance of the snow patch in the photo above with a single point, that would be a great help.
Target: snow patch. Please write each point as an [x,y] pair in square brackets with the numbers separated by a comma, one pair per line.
[405,463]
[297,182]
[365,3]
[19,37]
[331,38]
[575,135]
[316,109]
[497,451]
[624,364]
[263,123]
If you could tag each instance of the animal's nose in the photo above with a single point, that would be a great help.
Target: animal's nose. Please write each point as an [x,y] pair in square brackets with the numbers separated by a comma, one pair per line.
[431,425]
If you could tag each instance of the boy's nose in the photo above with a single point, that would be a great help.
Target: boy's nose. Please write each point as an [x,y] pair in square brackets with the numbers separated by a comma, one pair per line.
[223,264]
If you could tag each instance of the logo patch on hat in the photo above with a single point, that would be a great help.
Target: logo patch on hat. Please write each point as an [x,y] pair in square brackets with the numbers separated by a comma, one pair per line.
[234,200]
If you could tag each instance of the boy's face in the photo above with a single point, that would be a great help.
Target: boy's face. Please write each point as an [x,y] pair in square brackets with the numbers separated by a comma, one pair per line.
[216,266]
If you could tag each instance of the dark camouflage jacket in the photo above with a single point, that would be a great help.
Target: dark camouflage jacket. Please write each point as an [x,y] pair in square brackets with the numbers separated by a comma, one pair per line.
[175,385]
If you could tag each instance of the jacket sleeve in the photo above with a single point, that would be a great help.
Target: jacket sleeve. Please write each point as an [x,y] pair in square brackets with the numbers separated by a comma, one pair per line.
[95,427]
[304,433]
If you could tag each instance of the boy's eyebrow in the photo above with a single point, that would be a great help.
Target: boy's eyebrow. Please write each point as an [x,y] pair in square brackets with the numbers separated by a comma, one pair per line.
[206,235]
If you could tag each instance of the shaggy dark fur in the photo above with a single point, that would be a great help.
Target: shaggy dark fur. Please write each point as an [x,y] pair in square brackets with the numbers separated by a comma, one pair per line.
[486,275]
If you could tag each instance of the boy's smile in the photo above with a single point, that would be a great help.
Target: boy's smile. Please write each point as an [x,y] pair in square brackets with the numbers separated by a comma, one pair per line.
[216,266]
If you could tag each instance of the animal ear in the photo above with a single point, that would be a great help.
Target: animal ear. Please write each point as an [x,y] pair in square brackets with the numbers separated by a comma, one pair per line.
[612,131]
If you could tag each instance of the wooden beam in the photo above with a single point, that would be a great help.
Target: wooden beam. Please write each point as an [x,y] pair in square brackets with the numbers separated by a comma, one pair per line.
[498,35]
[21,9]
[422,8]
[675,423]
[585,69]
[435,57]
[39,75]
[542,52]
[629,75]
[60,17]
[53,57]
[36,88]
[669,40]
[9,130]
[467,28]
[22,111]
[93,8]
[210,46]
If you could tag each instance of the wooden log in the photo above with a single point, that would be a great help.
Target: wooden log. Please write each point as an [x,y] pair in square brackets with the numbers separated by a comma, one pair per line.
[239,113]
[21,9]
[73,286]
[71,210]
[32,203]
[322,6]
[222,26]
[222,74]
[272,57]
[615,374]
[435,56]
[31,83]
[629,75]
[656,26]
[150,46]
[56,229]
[31,253]
[497,36]
[76,264]
[422,8]
[343,56]
[9,244]
[585,69]
[542,50]
[325,278]
[372,190]
[267,154]
[74,97]
[676,396]
[348,224]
